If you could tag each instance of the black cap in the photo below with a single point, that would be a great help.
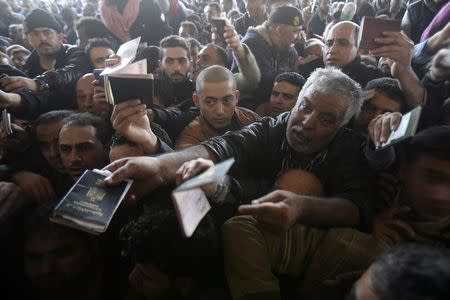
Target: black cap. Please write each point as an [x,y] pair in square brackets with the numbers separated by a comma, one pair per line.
[287,15]
[41,18]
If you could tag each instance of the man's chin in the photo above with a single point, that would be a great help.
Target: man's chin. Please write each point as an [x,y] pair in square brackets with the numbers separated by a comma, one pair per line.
[178,79]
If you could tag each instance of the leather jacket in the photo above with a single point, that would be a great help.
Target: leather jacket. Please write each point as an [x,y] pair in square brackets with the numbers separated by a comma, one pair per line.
[71,64]
[262,152]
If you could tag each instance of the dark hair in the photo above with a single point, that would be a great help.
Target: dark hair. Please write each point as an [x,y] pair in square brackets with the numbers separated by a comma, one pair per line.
[38,220]
[103,130]
[152,54]
[291,78]
[50,117]
[197,20]
[194,43]
[97,43]
[222,53]
[434,141]
[412,272]
[215,6]
[192,28]
[68,15]
[94,28]
[390,88]
[156,238]
[174,41]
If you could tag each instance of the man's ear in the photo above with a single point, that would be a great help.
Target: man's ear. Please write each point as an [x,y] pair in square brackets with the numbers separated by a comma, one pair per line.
[196,99]
[237,95]
[61,37]
[159,64]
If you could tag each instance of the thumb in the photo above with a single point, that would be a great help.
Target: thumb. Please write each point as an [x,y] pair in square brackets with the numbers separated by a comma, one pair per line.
[273,197]
[119,172]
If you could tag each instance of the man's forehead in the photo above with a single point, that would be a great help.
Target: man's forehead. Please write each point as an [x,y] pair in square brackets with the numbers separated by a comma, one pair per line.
[283,85]
[73,134]
[174,52]
[330,103]
[47,130]
[39,29]
[343,31]
[101,50]
[216,89]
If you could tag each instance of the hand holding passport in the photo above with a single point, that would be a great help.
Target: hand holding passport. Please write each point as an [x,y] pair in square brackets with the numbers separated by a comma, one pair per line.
[126,80]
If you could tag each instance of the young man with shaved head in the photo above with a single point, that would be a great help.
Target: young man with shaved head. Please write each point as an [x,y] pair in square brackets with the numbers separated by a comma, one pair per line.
[216,96]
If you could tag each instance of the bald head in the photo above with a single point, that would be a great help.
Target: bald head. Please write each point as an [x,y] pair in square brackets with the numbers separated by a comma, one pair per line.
[214,74]
[85,92]
[341,44]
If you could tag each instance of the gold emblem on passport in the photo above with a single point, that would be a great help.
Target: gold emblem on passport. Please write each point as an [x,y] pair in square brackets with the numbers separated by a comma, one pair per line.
[96,194]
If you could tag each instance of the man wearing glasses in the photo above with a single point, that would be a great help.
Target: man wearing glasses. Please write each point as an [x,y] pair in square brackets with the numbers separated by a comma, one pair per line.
[53,65]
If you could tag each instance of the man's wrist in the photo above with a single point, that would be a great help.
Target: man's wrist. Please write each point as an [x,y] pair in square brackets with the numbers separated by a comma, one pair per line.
[239,51]
[14,101]
[150,145]
[40,85]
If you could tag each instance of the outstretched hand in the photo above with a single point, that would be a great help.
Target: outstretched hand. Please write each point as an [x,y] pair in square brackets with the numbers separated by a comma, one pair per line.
[278,210]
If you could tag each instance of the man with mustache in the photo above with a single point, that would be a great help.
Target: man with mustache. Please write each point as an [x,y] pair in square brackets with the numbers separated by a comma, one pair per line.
[341,51]
[311,137]
[53,65]
[272,43]
[83,143]
[173,86]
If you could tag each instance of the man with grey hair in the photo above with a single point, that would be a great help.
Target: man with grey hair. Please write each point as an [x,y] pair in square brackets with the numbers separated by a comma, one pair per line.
[311,137]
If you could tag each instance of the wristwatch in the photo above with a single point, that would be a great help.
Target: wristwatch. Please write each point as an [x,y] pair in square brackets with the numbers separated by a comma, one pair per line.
[41,85]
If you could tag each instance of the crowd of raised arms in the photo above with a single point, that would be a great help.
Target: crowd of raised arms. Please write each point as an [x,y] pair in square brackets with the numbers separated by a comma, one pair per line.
[315,205]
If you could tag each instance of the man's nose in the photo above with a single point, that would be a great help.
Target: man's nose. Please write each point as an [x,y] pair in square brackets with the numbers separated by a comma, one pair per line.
[176,66]
[220,109]
[278,98]
[309,121]
[75,156]
[332,48]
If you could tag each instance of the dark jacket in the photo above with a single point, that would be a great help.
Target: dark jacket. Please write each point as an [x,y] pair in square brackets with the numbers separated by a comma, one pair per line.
[356,70]
[261,152]
[417,17]
[11,71]
[365,10]
[270,61]
[71,63]
[317,24]
[243,23]
[149,25]
[174,94]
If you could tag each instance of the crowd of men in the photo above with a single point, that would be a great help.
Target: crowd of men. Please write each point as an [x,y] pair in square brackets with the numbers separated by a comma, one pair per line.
[314,206]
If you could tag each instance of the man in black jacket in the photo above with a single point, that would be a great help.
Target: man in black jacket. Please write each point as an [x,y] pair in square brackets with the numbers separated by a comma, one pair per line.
[341,51]
[311,137]
[53,65]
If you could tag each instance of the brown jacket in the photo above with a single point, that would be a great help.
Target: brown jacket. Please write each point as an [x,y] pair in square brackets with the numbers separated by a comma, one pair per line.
[199,130]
